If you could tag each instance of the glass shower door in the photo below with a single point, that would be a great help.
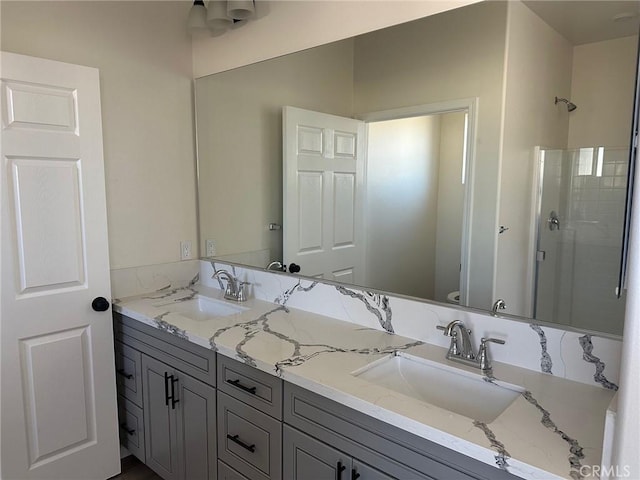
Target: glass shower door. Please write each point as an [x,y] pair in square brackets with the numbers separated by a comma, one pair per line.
[581,214]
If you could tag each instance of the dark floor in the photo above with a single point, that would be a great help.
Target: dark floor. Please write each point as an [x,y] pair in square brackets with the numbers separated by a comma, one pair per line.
[134,469]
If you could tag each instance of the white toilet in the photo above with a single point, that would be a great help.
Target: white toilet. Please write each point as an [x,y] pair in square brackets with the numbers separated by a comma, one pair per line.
[454,297]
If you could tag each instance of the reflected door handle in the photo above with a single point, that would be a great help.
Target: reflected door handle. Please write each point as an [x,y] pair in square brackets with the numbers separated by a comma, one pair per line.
[100,304]
[293,268]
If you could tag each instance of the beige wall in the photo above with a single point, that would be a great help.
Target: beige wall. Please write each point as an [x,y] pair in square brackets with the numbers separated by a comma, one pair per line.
[289,26]
[455,55]
[402,205]
[602,88]
[144,57]
[538,67]
[239,119]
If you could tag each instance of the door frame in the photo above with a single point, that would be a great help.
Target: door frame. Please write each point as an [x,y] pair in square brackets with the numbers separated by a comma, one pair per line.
[469,105]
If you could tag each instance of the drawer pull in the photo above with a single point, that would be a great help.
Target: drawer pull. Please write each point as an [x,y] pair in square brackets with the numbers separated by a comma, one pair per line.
[235,439]
[126,375]
[236,383]
[354,475]
[339,469]
[131,431]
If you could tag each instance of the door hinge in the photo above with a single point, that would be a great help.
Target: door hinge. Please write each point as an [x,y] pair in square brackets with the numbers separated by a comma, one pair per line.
[541,255]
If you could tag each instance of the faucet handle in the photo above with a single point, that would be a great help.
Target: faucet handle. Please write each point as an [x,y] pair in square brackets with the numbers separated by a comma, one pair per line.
[242,291]
[454,350]
[483,354]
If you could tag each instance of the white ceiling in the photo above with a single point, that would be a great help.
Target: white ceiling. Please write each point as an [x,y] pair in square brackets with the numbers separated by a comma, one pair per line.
[586,21]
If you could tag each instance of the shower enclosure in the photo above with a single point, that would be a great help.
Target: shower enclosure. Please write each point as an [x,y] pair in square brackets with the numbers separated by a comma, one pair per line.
[580,204]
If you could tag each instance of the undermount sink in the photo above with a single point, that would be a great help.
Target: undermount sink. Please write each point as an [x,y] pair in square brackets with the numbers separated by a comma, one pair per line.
[201,308]
[446,387]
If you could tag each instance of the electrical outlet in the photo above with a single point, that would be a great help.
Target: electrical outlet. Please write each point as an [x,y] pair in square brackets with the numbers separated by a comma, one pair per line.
[210,248]
[185,250]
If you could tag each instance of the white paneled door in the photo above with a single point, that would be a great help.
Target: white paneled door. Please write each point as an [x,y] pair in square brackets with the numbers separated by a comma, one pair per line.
[323,194]
[58,395]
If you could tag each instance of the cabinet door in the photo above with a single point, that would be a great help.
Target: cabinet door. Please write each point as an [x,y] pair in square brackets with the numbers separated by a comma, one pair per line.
[305,457]
[225,472]
[196,426]
[362,471]
[160,426]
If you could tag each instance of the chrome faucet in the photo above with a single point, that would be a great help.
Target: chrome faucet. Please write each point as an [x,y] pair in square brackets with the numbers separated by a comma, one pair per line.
[235,289]
[461,348]
[498,305]
[277,266]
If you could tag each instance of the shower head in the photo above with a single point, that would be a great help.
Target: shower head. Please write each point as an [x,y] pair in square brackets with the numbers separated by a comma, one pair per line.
[570,106]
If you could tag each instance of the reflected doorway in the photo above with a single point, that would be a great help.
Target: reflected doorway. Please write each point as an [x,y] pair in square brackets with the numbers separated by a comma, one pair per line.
[415,180]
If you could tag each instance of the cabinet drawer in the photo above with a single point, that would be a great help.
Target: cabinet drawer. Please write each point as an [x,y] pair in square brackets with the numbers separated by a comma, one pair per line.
[131,422]
[192,359]
[129,373]
[249,440]
[225,472]
[258,389]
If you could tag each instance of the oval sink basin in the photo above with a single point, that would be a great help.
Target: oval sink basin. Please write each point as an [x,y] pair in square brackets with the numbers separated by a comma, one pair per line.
[201,308]
[453,389]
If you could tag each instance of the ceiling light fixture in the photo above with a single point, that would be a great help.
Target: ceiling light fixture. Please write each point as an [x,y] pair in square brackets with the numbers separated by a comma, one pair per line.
[219,16]
[197,20]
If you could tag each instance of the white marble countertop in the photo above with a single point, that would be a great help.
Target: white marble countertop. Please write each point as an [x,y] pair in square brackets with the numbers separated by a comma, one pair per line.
[554,424]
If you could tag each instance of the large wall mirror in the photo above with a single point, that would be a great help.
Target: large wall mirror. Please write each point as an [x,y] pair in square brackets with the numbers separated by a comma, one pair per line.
[470,156]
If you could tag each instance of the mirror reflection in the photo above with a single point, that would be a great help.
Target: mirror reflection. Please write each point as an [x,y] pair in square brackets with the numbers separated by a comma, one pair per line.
[465,142]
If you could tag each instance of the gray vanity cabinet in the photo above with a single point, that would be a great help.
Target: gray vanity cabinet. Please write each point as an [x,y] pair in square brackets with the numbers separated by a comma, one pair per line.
[249,421]
[362,471]
[129,385]
[370,449]
[167,400]
[255,426]
[180,423]
[306,457]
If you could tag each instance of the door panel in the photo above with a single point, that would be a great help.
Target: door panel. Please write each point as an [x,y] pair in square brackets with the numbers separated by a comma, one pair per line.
[59,418]
[344,193]
[362,471]
[310,207]
[160,420]
[49,224]
[43,107]
[323,194]
[305,457]
[197,427]
[58,398]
